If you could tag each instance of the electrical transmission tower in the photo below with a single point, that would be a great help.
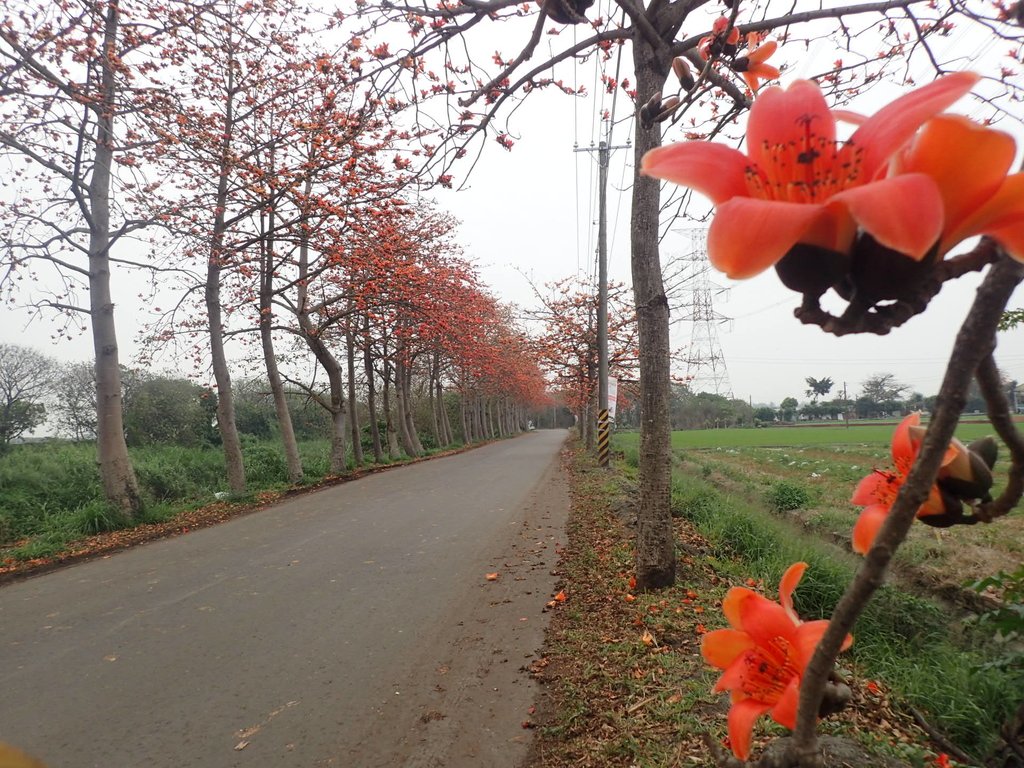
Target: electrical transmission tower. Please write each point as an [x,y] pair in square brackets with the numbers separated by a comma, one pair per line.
[705,361]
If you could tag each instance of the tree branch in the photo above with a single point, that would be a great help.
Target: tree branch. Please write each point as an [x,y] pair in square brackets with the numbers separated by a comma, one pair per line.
[974,343]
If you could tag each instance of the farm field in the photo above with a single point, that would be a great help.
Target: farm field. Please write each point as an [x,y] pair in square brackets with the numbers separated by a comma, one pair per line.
[763,507]
[813,471]
[867,433]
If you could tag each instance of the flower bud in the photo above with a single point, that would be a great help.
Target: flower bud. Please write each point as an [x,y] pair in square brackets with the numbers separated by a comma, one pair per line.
[681,68]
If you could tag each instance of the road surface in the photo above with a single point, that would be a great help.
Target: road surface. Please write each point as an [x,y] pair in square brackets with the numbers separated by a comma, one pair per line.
[349,627]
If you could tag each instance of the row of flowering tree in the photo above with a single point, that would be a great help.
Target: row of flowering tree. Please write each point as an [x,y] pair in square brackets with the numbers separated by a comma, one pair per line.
[869,224]
[231,151]
[567,347]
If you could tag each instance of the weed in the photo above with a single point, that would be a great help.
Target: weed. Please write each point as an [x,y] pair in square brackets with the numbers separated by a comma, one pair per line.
[786,495]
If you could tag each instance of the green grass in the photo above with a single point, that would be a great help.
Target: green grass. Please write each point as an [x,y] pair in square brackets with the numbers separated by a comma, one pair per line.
[909,642]
[803,435]
[50,494]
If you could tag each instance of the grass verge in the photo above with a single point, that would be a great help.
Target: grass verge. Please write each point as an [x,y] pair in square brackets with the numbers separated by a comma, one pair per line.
[625,684]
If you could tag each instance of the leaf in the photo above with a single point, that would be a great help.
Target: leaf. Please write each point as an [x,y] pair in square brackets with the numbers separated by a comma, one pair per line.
[491,576]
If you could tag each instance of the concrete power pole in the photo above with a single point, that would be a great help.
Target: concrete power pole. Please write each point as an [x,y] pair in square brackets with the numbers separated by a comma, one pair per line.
[604,150]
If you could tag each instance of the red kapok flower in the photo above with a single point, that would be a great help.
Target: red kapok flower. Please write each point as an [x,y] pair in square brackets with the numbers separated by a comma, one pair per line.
[798,184]
[752,66]
[764,655]
[970,164]
[877,491]
[723,39]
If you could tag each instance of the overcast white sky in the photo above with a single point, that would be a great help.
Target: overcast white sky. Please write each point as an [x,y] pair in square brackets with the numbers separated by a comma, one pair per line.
[532,212]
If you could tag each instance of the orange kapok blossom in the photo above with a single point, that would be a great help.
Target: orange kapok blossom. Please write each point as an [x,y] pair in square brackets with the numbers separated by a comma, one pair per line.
[964,475]
[764,655]
[877,491]
[798,185]
[723,39]
[970,164]
[752,66]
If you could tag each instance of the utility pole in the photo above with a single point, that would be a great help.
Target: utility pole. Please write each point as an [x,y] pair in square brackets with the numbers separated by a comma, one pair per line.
[604,149]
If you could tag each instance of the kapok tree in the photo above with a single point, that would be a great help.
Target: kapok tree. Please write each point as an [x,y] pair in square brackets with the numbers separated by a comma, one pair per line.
[567,348]
[76,87]
[676,48]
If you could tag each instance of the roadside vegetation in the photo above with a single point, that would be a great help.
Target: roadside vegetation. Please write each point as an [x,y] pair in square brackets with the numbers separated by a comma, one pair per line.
[627,684]
[52,504]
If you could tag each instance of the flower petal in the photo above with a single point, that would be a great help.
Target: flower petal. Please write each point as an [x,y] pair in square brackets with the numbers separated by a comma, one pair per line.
[877,488]
[784,117]
[760,53]
[894,124]
[968,162]
[1001,218]
[867,526]
[904,446]
[765,620]
[749,235]
[734,675]
[716,171]
[787,584]
[731,605]
[903,212]
[808,635]
[723,646]
[742,717]
[784,712]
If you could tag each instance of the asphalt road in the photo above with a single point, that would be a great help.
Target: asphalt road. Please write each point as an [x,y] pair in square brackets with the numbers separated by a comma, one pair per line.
[348,627]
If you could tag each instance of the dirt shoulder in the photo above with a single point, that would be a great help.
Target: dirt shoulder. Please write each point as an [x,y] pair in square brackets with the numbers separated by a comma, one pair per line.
[624,683]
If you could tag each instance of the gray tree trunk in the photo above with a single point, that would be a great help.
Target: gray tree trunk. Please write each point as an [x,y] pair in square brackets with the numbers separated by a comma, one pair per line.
[357,443]
[371,393]
[402,405]
[284,417]
[119,483]
[394,451]
[225,404]
[410,418]
[655,546]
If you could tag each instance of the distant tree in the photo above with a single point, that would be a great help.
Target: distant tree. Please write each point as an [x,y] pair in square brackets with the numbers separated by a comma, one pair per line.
[787,408]
[764,413]
[883,388]
[254,408]
[26,379]
[74,404]
[164,410]
[818,387]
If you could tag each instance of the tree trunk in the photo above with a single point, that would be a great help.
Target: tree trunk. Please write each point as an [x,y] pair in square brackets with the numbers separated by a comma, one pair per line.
[655,545]
[410,419]
[400,401]
[446,423]
[467,435]
[336,405]
[357,443]
[394,451]
[119,483]
[435,421]
[281,410]
[371,393]
[225,403]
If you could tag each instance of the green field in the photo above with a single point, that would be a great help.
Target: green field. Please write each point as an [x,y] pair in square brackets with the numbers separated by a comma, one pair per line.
[771,437]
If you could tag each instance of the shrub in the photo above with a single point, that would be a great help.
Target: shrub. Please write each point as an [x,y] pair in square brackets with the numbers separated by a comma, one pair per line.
[785,496]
